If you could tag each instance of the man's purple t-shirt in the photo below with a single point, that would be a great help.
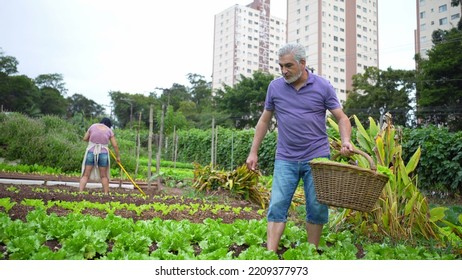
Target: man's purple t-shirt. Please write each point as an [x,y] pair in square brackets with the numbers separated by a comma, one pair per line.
[301,117]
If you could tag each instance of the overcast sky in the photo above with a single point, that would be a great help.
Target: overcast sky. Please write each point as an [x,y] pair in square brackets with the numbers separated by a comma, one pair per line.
[138,45]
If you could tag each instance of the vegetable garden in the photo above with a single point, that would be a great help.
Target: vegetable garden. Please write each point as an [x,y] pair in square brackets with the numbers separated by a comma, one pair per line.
[44,223]
[202,213]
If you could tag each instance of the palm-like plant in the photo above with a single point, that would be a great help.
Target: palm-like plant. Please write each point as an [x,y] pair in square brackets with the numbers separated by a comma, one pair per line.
[402,211]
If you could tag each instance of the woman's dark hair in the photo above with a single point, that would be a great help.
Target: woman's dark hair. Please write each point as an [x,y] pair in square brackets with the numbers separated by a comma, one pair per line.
[107,122]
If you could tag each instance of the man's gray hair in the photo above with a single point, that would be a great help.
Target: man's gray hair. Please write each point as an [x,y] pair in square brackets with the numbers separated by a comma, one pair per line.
[298,50]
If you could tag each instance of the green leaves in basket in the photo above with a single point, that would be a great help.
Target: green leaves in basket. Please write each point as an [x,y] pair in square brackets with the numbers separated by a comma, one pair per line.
[385,171]
[323,159]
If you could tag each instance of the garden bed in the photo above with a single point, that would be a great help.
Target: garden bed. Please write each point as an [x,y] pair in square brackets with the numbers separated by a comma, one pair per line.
[167,196]
[183,224]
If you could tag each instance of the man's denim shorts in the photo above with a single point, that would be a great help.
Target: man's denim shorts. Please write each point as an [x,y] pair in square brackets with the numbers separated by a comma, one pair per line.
[103,160]
[286,177]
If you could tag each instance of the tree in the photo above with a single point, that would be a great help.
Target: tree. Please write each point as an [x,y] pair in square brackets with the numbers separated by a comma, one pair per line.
[126,107]
[52,102]
[174,96]
[87,107]
[439,81]
[19,94]
[243,103]
[376,92]
[172,120]
[52,90]
[201,92]
[54,81]
[8,64]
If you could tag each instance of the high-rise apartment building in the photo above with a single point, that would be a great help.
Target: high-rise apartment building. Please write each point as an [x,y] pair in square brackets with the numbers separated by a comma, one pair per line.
[433,15]
[246,39]
[340,36]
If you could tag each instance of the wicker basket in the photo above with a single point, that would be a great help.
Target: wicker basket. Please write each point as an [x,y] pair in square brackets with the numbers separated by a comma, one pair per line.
[348,186]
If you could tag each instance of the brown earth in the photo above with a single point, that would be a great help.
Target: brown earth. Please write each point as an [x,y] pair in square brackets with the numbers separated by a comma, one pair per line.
[162,194]
[153,194]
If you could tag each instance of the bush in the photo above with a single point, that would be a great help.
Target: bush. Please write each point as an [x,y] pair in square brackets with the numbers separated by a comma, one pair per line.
[440,167]
[48,141]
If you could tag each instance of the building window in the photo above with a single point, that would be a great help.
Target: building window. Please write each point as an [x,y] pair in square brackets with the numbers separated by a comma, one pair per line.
[455,16]
[443,8]
[423,39]
[422,14]
[443,21]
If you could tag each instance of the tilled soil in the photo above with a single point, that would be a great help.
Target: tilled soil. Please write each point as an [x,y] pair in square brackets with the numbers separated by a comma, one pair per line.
[18,193]
[19,211]
[164,195]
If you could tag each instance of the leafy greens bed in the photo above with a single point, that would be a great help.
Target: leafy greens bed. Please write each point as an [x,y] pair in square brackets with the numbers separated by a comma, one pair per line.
[112,228]
[78,236]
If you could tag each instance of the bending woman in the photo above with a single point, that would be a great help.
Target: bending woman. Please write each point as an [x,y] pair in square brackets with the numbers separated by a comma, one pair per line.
[96,162]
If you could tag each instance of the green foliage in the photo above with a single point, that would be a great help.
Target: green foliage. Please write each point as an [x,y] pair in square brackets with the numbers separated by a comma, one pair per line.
[440,168]
[85,244]
[241,182]
[172,120]
[51,81]
[127,107]
[201,93]
[42,141]
[87,108]
[378,90]
[6,204]
[439,81]
[233,147]
[19,94]
[407,252]
[52,102]
[243,102]
[81,236]
[8,64]
[401,212]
